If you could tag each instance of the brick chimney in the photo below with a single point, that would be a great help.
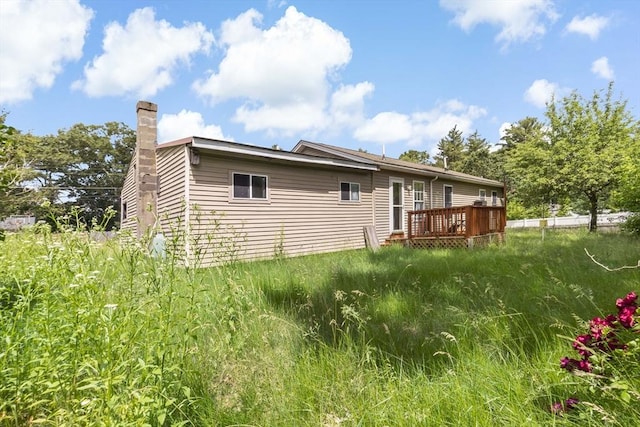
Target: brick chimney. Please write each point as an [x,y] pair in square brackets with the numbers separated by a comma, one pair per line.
[146,172]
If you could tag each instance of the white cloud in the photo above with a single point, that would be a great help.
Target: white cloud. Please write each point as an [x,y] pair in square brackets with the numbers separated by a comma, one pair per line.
[187,123]
[347,104]
[518,20]
[389,127]
[504,127]
[589,25]
[385,127]
[36,39]
[542,91]
[282,74]
[601,68]
[141,58]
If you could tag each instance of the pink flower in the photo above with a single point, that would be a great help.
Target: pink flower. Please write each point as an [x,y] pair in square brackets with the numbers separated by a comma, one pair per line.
[571,402]
[625,315]
[601,328]
[573,364]
[628,301]
[560,407]
[584,365]
[582,343]
[569,364]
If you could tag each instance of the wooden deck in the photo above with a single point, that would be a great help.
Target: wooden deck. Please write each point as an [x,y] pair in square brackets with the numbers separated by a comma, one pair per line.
[464,226]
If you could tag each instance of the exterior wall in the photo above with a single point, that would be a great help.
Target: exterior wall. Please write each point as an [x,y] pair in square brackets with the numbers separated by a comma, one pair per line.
[464,194]
[129,198]
[303,213]
[171,189]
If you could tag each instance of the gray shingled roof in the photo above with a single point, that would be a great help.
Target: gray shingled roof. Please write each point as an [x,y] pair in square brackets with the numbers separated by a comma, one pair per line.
[391,163]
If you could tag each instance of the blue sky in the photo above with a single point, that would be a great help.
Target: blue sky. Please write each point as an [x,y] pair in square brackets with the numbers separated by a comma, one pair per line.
[358,74]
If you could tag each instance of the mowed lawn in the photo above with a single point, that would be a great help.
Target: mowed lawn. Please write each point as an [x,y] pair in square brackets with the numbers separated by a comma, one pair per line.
[101,333]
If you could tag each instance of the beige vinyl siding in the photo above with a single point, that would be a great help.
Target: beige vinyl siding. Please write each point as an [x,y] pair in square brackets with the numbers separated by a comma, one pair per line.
[129,196]
[464,193]
[303,213]
[171,189]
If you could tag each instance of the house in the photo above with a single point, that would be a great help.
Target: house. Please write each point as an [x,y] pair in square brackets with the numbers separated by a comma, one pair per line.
[219,199]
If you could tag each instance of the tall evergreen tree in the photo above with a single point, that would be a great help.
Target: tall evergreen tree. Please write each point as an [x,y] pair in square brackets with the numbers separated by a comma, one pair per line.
[451,147]
[477,159]
[415,156]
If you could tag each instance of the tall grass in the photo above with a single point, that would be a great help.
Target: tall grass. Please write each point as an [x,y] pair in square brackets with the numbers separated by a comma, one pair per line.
[103,333]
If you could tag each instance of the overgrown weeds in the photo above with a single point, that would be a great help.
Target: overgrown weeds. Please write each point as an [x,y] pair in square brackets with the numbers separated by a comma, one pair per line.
[104,333]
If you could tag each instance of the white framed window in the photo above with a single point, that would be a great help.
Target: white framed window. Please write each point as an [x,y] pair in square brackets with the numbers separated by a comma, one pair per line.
[482,194]
[349,192]
[494,198]
[249,186]
[418,195]
[396,204]
[448,195]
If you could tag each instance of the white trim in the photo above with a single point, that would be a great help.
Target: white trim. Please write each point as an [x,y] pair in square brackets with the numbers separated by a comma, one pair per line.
[413,185]
[250,198]
[250,150]
[187,206]
[396,180]
[444,195]
[350,200]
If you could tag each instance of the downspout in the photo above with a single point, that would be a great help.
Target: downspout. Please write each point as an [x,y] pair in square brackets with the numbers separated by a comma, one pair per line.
[431,191]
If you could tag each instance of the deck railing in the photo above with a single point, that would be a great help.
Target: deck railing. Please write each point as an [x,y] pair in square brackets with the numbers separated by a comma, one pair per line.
[463,221]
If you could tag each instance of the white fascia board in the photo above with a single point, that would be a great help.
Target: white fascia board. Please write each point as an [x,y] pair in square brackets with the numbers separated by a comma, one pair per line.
[249,150]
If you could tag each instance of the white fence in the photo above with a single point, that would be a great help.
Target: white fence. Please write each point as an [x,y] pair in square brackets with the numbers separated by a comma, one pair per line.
[16,222]
[570,221]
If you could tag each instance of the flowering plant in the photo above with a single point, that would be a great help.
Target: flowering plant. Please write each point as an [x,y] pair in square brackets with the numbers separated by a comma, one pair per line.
[610,354]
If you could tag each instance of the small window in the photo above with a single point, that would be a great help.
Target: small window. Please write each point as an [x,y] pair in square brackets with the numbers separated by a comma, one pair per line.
[124,210]
[494,198]
[247,186]
[418,195]
[448,196]
[349,191]
[482,194]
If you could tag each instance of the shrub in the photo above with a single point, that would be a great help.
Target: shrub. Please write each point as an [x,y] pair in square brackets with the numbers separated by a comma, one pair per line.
[609,363]
[632,224]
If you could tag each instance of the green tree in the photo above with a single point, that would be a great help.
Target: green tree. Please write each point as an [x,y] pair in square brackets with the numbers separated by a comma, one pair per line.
[83,166]
[16,170]
[415,156]
[527,190]
[98,159]
[627,195]
[451,147]
[477,157]
[589,138]
[578,155]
